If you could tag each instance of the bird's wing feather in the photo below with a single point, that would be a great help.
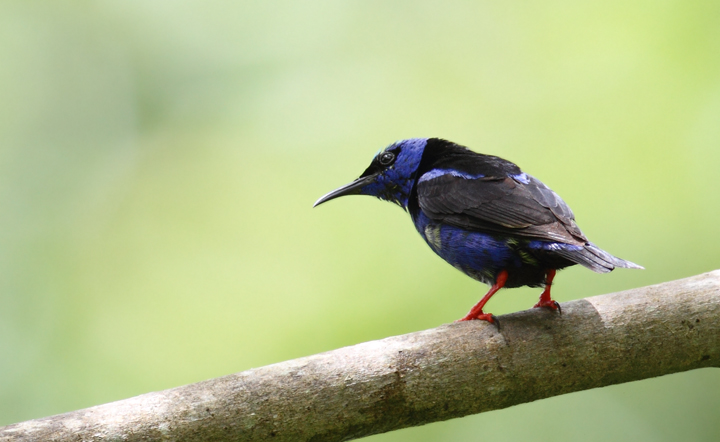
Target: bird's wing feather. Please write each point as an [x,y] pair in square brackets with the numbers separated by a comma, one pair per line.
[520,205]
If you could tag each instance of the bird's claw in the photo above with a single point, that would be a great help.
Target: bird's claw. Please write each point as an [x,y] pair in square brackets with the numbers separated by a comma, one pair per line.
[551,304]
[489,317]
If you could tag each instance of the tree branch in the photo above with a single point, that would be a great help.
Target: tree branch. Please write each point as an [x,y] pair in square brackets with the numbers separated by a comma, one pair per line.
[433,375]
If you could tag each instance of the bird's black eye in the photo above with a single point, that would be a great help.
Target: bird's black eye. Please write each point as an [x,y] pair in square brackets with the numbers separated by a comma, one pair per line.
[386,158]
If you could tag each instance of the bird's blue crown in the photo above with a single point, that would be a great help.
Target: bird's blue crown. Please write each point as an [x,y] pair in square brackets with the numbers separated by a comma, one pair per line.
[396,168]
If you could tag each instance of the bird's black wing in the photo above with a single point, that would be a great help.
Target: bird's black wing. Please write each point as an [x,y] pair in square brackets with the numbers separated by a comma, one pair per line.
[518,205]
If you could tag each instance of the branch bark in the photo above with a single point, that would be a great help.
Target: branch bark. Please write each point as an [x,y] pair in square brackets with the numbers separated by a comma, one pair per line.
[433,375]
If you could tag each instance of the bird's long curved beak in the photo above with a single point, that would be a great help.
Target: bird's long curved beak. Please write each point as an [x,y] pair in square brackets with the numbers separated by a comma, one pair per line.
[348,189]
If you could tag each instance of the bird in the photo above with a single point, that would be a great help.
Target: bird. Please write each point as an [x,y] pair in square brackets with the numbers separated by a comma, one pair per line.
[483,215]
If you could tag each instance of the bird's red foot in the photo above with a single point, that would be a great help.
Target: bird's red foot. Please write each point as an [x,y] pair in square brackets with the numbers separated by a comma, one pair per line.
[489,317]
[554,305]
[545,299]
[476,312]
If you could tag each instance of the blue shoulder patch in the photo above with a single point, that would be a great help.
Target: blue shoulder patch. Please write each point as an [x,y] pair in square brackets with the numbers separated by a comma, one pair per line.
[440,172]
[521,178]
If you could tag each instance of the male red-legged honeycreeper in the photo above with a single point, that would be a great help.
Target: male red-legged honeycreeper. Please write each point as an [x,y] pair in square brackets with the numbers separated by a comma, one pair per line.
[481,214]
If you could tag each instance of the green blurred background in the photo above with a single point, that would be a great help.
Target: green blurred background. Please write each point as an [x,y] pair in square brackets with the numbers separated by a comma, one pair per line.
[159,161]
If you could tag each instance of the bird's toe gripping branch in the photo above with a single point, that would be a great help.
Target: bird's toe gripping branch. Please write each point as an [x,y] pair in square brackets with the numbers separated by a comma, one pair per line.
[553,305]
[476,312]
[545,299]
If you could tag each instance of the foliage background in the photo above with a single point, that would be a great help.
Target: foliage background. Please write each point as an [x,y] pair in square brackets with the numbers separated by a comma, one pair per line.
[159,160]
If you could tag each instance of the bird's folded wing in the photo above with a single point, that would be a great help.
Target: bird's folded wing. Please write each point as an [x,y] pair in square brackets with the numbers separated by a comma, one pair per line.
[521,206]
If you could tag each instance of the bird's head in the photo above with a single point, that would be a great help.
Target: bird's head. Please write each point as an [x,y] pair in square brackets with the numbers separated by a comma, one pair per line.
[390,176]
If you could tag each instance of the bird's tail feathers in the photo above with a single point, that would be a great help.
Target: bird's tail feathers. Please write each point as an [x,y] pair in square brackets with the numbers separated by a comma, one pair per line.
[597,259]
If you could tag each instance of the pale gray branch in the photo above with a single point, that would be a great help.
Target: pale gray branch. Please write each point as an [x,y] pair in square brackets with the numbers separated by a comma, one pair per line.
[447,372]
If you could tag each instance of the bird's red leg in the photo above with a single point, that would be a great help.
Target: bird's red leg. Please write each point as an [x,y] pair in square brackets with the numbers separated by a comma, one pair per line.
[545,300]
[476,312]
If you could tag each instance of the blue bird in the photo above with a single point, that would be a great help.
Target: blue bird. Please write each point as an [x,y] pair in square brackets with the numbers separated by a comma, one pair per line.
[481,214]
